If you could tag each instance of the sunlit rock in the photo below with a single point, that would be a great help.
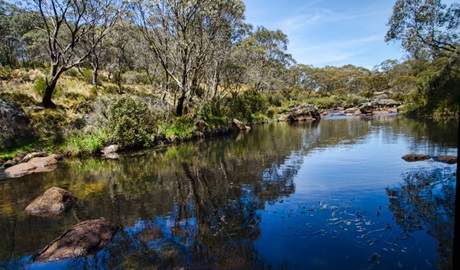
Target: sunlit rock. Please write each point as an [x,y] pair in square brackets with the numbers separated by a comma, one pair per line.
[53,201]
[80,240]
[240,125]
[32,155]
[110,151]
[34,165]
[304,112]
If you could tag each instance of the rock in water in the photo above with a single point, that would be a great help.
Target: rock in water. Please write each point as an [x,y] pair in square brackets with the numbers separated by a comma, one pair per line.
[447,159]
[80,240]
[415,157]
[34,165]
[304,112]
[53,201]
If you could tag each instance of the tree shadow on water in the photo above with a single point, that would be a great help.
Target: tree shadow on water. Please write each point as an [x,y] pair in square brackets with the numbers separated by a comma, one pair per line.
[426,201]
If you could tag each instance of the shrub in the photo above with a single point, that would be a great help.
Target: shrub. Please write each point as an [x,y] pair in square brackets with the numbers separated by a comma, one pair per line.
[129,122]
[93,91]
[83,145]
[40,86]
[181,128]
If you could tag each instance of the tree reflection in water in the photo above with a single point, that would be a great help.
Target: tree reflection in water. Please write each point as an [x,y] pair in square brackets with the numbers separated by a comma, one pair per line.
[426,201]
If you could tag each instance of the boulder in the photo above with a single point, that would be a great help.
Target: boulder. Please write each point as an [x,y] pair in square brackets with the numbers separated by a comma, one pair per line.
[110,151]
[34,165]
[19,170]
[304,112]
[415,157]
[240,125]
[13,124]
[80,240]
[366,108]
[351,110]
[53,201]
[380,105]
[447,159]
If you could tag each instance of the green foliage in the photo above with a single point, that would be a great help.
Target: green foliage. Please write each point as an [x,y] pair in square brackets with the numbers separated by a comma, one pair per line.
[180,129]
[87,75]
[73,72]
[259,118]
[49,125]
[40,86]
[367,94]
[92,91]
[5,73]
[129,123]
[27,147]
[83,145]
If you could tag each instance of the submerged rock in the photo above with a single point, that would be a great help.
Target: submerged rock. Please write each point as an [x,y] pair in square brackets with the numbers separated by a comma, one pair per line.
[415,157]
[53,201]
[80,240]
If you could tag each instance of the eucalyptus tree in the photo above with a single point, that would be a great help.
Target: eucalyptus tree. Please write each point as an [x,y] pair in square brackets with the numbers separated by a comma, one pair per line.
[16,27]
[68,24]
[120,46]
[268,60]
[426,27]
[430,27]
[182,35]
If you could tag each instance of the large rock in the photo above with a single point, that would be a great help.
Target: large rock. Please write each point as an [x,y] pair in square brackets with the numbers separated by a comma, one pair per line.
[53,201]
[110,151]
[380,105]
[13,124]
[34,165]
[80,240]
[304,112]
[415,157]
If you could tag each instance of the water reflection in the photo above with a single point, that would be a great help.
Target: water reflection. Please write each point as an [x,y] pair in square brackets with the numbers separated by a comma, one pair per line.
[425,202]
[251,200]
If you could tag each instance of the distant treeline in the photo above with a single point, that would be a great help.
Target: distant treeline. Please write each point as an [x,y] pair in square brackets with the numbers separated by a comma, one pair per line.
[202,51]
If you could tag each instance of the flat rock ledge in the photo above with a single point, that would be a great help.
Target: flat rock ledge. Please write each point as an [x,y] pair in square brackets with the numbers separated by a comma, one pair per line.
[52,202]
[34,165]
[80,240]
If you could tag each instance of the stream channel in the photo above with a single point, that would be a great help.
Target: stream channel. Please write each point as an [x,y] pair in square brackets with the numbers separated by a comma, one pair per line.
[329,195]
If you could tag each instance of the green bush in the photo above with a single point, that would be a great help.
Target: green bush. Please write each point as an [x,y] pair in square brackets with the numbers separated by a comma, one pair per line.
[83,145]
[129,123]
[92,91]
[181,128]
[40,86]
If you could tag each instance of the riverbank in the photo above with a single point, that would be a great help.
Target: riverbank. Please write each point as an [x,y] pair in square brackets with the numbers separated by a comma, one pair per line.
[87,118]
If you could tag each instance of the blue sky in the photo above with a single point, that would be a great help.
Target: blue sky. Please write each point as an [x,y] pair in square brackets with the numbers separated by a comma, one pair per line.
[330,32]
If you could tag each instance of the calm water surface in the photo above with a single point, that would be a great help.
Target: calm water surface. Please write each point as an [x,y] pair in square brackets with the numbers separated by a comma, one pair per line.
[328,195]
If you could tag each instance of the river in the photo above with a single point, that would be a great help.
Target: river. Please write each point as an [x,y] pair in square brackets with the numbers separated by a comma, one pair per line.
[329,195]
